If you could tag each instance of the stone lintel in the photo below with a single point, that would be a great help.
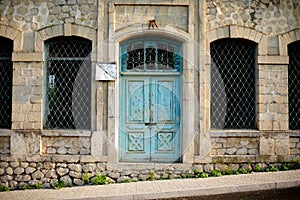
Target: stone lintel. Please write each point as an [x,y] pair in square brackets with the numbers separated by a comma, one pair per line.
[273,60]
[27,57]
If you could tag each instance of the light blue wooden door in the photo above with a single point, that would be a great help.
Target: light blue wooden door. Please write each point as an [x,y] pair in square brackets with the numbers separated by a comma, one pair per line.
[150,119]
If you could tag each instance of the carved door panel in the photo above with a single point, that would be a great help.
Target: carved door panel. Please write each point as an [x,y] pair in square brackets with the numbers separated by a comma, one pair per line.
[150,119]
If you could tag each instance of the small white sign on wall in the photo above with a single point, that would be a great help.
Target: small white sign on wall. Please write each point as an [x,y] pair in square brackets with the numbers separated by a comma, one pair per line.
[106,71]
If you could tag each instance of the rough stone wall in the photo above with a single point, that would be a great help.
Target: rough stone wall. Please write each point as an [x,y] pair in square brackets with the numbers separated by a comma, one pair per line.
[16,174]
[271,17]
[66,145]
[234,146]
[31,15]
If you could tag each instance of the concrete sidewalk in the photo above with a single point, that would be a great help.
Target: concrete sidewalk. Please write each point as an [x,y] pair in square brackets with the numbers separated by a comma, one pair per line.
[167,188]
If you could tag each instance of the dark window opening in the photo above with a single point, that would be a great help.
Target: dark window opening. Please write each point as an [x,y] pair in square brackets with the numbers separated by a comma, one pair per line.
[6,73]
[233,84]
[68,92]
[294,85]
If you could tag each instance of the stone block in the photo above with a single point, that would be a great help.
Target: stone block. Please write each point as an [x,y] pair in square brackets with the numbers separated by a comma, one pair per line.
[62,171]
[67,29]
[19,170]
[242,151]
[19,81]
[78,182]
[208,168]
[75,167]
[265,125]
[51,174]
[67,180]
[89,167]
[281,146]
[27,57]
[266,146]
[75,174]
[221,167]
[29,170]
[37,175]
[34,117]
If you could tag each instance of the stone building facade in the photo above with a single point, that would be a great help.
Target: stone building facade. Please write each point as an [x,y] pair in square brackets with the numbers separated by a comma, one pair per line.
[35,149]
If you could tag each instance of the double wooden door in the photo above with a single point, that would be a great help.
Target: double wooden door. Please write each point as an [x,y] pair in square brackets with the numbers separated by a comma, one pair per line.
[150,118]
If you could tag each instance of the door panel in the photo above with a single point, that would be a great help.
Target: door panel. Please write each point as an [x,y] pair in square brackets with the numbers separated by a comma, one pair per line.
[134,113]
[149,119]
[165,104]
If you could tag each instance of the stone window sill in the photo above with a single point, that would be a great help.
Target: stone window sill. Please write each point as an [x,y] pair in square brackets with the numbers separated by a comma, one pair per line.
[66,133]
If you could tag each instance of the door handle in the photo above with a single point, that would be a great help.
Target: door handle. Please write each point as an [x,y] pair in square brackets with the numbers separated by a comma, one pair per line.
[150,124]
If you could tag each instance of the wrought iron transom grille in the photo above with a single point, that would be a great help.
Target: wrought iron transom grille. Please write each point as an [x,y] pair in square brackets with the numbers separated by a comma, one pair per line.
[6,72]
[150,55]
[294,85]
[68,80]
[233,84]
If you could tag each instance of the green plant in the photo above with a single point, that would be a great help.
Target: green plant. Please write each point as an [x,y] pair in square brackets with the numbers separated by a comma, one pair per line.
[4,188]
[38,186]
[126,181]
[285,167]
[216,173]
[204,175]
[197,173]
[100,180]
[257,168]
[86,178]
[26,187]
[59,184]
[169,176]
[183,175]
[151,176]
[214,161]
[296,164]
[228,171]
[186,176]
[272,169]
[242,171]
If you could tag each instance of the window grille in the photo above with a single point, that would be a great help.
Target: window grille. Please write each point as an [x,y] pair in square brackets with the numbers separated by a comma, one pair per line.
[6,72]
[294,85]
[149,55]
[233,84]
[68,80]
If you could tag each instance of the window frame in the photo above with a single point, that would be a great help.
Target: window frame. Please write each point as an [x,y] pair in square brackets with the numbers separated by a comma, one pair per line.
[88,59]
[253,121]
[8,59]
[292,116]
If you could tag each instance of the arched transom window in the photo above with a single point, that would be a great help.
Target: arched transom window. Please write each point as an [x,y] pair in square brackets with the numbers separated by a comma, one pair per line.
[150,55]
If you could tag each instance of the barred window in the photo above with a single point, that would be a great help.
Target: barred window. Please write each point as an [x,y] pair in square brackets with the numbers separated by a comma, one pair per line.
[6,72]
[294,85]
[233,84]
[68,81]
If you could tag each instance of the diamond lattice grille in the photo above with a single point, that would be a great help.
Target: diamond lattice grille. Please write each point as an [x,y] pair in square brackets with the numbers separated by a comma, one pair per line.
[233,84]
[68,84]
[294,85]
[6,71]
